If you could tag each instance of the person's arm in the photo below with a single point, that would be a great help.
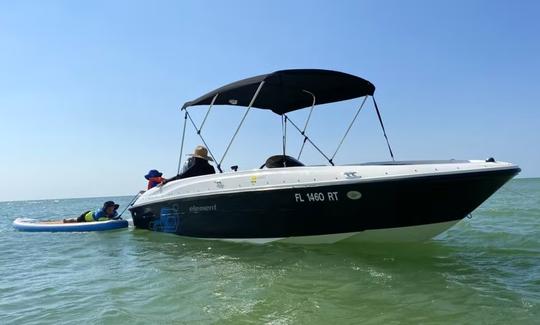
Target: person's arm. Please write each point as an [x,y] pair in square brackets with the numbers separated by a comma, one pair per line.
[98,214]
[101,215]
[165,181]
[190,171]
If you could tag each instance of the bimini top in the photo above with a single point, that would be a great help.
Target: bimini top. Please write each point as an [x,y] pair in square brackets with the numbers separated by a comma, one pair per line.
[288,90]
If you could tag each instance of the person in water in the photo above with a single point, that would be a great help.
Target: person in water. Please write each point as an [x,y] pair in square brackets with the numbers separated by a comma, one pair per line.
[107,212]
[154,178]
[197,165]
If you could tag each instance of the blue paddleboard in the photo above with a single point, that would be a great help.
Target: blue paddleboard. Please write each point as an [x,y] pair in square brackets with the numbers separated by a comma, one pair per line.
[25,224]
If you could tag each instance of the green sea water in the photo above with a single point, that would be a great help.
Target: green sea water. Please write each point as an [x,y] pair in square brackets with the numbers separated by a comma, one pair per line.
[485,270]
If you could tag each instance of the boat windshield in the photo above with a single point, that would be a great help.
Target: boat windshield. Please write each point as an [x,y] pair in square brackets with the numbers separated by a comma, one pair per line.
[279,161]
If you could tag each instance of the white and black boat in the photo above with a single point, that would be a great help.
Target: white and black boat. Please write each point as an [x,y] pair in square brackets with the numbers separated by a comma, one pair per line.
[287,201]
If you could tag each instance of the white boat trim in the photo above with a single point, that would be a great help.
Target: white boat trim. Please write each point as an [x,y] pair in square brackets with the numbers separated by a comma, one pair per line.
[403,234]
[296,177]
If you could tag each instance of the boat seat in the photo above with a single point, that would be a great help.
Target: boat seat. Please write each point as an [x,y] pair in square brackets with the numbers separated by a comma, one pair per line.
[280,161]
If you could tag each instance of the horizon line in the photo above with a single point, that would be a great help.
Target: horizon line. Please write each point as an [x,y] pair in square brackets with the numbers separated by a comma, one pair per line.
[129,195]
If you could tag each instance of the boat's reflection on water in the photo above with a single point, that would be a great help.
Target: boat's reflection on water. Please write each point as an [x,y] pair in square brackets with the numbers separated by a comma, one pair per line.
[442,273]
[428,254]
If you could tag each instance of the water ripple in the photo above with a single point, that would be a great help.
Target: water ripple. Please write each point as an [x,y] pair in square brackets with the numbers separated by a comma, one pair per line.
[484,270]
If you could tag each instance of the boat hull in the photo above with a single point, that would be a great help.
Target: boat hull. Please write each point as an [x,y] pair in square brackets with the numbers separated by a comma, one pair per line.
[328,213]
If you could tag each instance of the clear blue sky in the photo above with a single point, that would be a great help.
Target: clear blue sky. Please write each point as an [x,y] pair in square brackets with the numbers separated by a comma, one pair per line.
[90,91]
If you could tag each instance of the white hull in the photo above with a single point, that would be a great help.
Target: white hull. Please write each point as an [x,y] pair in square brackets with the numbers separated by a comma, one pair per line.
[307,177]
[403,234]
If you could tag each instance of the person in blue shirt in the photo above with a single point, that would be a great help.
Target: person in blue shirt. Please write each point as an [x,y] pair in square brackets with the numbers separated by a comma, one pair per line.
[107,212]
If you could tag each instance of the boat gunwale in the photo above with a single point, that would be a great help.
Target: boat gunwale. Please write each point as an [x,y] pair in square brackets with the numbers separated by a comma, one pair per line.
[511,168]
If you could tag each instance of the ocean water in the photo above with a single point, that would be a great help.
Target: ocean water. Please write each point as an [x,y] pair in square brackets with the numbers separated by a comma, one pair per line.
[485,270]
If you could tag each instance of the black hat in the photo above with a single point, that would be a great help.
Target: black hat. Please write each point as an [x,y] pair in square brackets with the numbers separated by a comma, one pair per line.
[110,204]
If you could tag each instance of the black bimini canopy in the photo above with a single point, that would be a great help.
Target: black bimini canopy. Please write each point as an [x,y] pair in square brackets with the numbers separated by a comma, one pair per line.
[288,90]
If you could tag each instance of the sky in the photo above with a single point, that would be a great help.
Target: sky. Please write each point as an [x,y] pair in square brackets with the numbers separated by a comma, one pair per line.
[90,91]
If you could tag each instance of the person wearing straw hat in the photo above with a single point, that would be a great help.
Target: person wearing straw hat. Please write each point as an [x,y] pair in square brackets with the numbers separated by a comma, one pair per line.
[197,165]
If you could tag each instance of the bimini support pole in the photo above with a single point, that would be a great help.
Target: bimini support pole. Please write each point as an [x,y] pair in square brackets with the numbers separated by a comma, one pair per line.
[208,112]
[349,128]
[182,145]
[307,121]
[240,125]
[200,136]
[306,138]
[198,129]
[284,135]
[382,126]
